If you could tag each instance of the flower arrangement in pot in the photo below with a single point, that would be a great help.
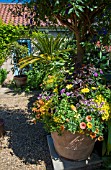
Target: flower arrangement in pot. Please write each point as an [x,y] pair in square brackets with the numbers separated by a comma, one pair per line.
[75,104]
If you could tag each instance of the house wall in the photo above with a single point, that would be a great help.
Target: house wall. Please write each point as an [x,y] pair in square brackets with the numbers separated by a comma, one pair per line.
[55,31]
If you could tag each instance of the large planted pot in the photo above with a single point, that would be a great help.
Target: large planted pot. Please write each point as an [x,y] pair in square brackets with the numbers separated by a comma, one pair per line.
[20,80]
[73,146]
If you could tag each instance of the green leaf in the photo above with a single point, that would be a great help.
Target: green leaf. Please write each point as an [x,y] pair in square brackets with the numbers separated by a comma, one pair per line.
[57,2]
[81,8]
[70,10]
[100,54]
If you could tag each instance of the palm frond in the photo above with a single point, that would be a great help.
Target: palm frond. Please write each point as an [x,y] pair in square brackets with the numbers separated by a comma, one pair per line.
[49,49]
[26,62]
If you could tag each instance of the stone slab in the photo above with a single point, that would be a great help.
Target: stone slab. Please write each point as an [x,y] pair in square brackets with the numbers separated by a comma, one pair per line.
[60,163]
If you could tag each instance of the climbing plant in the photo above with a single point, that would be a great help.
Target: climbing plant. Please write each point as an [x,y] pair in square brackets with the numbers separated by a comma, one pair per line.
[8,34]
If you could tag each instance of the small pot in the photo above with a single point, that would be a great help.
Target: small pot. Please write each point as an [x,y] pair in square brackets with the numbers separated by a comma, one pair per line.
[2,131]
[20,80]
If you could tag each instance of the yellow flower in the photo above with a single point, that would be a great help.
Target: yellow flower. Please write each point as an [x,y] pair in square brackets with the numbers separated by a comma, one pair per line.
[99,98]
[104,107]
[89,125]
[48,103]
[57,119]
[73,108]
[50,81]
[69,86]
[42,55]
[85,90]
[96,131]
[49,57]
[93,88]
[42,110]
[55,90]
[51,77]
[67,71]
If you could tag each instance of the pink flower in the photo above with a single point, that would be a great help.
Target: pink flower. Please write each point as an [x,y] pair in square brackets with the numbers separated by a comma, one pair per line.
[95,74]
[101,72]
[88,118]
[98,44]
[83,125]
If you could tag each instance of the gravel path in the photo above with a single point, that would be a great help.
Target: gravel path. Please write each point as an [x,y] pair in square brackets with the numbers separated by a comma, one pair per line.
[24,146]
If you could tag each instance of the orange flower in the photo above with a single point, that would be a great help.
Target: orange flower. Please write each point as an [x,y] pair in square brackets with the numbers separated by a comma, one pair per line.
[42,110]
[34,109]
[41,102]
[88,118]
[92,135]
[38,105]
[100,138]
[62,127]
[83,125]
[38,110]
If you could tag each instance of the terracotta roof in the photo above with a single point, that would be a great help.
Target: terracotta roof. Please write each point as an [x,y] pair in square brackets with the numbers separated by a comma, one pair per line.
[8,16]
[7,11]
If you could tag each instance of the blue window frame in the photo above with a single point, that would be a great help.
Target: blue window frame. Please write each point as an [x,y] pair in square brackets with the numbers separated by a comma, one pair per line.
[27,43]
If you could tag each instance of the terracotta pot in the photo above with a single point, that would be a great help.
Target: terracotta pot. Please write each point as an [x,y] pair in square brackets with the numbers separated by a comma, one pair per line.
[73,146]
[20,80]
[2,131]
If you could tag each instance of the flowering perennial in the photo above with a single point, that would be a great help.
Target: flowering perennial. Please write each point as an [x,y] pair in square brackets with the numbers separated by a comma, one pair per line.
[78,103]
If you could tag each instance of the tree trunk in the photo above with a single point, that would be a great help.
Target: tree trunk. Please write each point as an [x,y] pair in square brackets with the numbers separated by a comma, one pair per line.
[80,51]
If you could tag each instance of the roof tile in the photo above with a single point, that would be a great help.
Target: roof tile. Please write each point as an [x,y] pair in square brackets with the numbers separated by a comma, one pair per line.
[7,15]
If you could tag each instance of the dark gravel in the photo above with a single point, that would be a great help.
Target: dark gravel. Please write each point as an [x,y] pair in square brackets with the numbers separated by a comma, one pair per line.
[24,146]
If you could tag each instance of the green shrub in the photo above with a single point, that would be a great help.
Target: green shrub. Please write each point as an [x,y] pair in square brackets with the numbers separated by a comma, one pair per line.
[8,34]
[99,56]
[35,76]
[3,75]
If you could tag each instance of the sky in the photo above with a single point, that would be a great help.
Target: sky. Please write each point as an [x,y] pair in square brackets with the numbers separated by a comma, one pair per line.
[12,1]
